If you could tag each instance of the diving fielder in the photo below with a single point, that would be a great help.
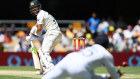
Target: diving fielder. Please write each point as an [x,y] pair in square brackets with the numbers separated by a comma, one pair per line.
[52,35]
[81,65]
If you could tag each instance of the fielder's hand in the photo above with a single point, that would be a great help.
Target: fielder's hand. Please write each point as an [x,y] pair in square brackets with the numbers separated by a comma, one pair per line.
[120,72]
[29,38]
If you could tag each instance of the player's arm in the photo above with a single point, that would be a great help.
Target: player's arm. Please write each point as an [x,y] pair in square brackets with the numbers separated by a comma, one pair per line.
[39,25]
[36,30]
[39,28]
[119,72]
[87,25]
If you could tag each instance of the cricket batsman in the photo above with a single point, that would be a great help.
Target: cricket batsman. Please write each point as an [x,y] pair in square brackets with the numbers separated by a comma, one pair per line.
[81,65]
[52,36]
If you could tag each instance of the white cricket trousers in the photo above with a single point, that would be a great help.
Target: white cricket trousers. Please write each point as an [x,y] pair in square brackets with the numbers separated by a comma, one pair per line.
[51,39]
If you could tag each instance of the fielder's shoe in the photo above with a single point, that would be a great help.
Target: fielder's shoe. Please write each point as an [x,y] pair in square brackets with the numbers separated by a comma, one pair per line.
[48,69]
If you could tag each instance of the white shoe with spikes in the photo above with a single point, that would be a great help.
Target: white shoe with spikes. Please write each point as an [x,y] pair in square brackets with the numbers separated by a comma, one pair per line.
[48,69]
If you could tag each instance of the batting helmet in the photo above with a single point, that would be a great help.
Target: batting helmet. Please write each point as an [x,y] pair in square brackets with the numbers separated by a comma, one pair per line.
[34,3]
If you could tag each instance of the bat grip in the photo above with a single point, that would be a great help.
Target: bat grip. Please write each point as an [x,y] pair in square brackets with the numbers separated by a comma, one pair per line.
[32,44]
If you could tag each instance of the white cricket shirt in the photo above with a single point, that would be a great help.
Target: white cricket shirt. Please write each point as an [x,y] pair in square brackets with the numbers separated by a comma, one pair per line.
[48,21]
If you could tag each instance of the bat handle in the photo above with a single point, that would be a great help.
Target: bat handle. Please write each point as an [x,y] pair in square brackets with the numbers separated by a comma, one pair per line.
[32,44]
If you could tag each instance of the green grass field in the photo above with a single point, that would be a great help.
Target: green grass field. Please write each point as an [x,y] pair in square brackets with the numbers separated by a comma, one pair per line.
[29,72]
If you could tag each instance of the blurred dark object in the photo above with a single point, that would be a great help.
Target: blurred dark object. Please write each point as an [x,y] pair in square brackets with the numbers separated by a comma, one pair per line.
[4,29]
[121,23]
[102,39]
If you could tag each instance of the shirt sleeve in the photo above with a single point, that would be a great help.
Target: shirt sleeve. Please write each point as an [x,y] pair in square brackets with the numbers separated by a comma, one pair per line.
[40,20]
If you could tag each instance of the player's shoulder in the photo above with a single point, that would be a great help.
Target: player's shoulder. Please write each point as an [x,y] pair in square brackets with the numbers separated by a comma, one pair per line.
[41,13]
[97,46]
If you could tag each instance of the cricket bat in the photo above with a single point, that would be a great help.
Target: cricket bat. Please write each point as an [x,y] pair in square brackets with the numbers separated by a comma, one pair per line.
[35,56]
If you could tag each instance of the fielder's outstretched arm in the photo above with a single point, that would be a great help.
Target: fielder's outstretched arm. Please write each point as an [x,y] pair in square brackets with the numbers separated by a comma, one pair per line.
[109,64]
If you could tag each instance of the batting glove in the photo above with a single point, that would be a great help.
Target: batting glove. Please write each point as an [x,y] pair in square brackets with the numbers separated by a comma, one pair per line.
[29,38]
[34,31]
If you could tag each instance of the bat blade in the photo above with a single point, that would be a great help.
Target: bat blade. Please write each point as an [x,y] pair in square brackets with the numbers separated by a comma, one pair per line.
[35,58]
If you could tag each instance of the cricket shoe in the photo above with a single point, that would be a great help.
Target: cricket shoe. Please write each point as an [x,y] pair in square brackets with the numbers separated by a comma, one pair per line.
[40,72]
[48,69]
